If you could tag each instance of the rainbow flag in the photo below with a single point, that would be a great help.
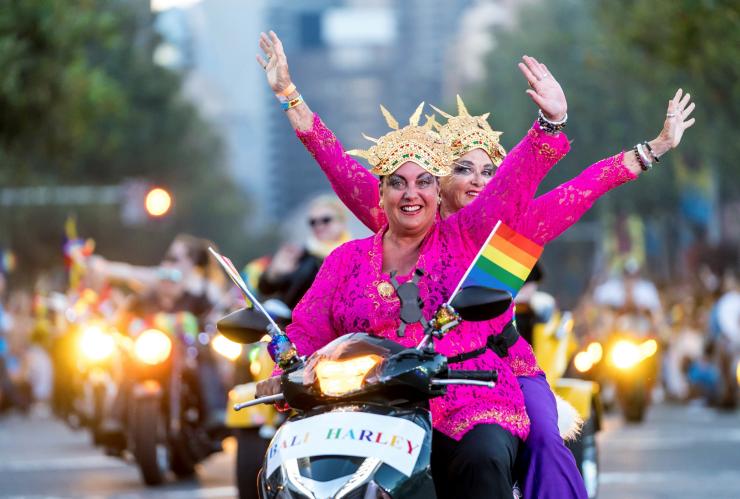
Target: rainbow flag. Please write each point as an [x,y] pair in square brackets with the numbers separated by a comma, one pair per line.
[504,261]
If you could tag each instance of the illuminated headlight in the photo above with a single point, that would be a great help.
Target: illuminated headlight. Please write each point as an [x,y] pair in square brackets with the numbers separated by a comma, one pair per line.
[338,378]
[626,354]
[95,344]
[224,346]
[589,357]
[152,347]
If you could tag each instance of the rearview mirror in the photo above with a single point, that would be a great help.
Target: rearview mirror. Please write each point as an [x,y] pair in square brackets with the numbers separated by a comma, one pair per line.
[246,325]
[478,303]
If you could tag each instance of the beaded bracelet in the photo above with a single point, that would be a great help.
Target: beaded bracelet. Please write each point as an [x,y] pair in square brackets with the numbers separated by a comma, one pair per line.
[551,126]
[292,103]
[645,165]
[656,158]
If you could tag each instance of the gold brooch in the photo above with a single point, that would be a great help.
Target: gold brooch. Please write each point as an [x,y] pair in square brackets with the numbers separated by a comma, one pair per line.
[385,289]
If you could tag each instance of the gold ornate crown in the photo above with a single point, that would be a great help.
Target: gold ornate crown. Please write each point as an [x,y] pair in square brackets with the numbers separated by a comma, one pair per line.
[463,133]
[415,143]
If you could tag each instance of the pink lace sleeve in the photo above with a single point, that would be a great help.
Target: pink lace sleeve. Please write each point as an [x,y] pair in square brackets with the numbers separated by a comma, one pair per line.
[312,326]
[509,193]
[554,212]
[352,182]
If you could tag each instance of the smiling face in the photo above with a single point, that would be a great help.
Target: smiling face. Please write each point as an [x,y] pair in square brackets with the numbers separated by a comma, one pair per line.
[410,199]
[470,174]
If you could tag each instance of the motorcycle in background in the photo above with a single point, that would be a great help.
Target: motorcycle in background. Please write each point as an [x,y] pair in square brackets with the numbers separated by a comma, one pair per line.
[628,360]
[550,332]
[166,415]
[254,426]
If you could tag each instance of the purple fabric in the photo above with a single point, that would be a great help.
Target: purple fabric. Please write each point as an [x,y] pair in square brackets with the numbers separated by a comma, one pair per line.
[547,467]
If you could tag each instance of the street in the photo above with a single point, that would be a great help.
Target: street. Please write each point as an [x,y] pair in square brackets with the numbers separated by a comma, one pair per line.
[680,452]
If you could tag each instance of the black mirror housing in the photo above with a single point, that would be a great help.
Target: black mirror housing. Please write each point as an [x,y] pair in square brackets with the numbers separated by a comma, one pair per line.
[246,325]
[478,303]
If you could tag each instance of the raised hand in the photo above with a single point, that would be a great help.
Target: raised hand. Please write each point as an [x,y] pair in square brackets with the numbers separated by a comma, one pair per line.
[276,65]
[676,122]
[545,90]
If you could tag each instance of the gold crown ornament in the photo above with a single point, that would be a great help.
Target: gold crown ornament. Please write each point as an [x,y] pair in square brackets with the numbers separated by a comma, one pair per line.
[419,144]
[463,133]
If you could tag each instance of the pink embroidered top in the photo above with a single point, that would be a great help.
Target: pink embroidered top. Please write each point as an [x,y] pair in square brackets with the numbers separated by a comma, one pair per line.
[544,218]
[345,297]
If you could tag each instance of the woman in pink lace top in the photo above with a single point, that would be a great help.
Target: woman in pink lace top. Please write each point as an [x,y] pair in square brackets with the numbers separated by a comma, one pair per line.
[448,248]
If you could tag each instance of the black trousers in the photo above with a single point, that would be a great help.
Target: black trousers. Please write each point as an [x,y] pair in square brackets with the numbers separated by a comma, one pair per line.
[477,467]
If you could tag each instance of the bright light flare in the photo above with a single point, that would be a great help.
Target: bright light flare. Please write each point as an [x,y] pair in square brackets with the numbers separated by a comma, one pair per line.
[95,344]
[625,354]
[582,362]
[152,347]
[595,351]
[226,347]
[338,378]
[157,202]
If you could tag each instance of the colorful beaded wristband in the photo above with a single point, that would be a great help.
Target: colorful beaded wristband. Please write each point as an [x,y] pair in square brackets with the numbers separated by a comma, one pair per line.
[292,103]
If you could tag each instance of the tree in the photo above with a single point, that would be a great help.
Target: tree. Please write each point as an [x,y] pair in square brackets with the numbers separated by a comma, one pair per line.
[82,102]
[619,63]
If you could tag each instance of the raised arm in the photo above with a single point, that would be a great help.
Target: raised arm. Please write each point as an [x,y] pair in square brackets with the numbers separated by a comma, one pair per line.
[509,193]
[554,212]
[352,182]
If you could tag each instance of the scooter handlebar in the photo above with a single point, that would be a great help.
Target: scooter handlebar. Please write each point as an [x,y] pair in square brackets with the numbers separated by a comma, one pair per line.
[270,399]
[490,375]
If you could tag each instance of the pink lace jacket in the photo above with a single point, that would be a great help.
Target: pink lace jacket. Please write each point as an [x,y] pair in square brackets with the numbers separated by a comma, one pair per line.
[543,219]
[345,297]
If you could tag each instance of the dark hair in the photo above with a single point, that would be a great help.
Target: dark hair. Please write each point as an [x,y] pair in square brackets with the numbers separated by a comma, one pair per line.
[197,249]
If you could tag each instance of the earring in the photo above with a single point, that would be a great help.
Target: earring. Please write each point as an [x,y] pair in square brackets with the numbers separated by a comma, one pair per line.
[439,199]
[380,203]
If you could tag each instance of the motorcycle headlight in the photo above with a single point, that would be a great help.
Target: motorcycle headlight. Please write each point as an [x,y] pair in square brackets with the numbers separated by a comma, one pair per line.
[224,346]
[152,347]
[625,354]
[583,362]
[589,357]
[95,344]
[338,378]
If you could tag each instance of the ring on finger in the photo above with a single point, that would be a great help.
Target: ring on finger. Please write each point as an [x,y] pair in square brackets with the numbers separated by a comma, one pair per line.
[670,115]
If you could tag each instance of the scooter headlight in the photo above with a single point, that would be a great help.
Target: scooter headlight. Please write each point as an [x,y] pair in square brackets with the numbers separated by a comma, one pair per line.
[152,347]
[224,346]
[95,344]
[337,378]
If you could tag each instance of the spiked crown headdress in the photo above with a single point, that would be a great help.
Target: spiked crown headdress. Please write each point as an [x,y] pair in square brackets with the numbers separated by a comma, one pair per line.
[419,144]
[463,133]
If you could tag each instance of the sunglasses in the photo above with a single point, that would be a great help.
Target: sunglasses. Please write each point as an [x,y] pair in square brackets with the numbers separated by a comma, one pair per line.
[314,222]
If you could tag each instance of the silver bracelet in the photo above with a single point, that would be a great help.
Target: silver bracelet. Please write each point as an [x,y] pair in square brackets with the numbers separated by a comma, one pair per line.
[645,161]
[549,125]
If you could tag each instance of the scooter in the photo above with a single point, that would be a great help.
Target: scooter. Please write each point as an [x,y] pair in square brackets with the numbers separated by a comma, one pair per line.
[362,426]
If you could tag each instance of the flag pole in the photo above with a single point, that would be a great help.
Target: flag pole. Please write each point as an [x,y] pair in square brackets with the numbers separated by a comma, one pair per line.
[472,263]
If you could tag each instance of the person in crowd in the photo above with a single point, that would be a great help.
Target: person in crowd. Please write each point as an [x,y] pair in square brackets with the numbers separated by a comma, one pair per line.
[477,154]
[292,270]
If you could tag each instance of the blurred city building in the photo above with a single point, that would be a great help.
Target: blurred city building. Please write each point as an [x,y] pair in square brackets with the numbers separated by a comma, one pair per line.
[346,57]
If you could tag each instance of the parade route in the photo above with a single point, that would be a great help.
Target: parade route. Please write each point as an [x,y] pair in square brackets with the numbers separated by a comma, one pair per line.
[680,452]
